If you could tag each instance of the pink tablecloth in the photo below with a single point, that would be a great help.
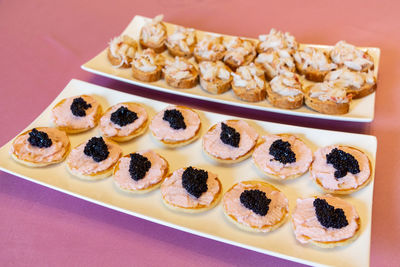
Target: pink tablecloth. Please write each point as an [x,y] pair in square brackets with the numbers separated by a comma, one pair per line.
[44,42]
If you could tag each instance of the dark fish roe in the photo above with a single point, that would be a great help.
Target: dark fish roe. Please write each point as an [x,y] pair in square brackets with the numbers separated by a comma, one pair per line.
[195,181]
[343,163]
[139,166]
[79,107]
[39,139]
[229,135]
[328,216]
[175,119]
[123,116]
[282,152]
[97,149]
[255,200]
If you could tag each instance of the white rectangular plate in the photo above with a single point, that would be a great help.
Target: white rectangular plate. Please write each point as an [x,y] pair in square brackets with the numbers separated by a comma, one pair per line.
[361,110]
[211,224]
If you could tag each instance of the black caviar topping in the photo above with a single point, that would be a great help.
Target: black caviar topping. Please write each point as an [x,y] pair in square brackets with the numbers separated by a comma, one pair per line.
[343,162]
[229,135]
[123,116]
[175,119]
[256,201]
[328,216]
[195,181]
[79,107]
[97,149]
[282,152]
[138,166]
[39,139]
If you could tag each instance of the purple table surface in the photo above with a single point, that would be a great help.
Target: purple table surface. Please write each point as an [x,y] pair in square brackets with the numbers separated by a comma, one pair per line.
[43,43]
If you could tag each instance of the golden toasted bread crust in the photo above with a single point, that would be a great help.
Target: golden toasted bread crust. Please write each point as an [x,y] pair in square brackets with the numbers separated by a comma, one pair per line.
[147,76]
[157,49]
[233,65]
[365,90]
[252,95]
[326,107]
[182,84]
[311,73]
[285,102]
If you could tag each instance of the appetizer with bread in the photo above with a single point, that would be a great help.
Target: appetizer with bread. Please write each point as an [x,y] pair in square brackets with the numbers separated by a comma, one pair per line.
[40,147]
[191,190]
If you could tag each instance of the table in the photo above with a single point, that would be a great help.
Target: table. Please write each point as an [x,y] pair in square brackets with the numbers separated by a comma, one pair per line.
[43,43]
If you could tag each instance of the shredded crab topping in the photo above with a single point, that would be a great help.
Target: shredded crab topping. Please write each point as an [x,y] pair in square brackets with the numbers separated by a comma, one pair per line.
[248,76]
[276,62]
[214,70]
[183,38]
[277,40]
[329,91]
[350,56]
[179,68]
[122,48]
[314,58]
[286,84]
[237,50]
[146,61]
[154,32]
[210,47]
[346,78]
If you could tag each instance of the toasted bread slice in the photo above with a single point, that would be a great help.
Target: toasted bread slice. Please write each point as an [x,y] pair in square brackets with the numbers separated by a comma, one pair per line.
[215,85]
[158,46]
[122,61]
[171,74]
[326,106]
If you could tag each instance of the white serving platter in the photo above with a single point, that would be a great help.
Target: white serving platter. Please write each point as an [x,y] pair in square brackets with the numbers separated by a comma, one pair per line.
[211,224]
[361,110]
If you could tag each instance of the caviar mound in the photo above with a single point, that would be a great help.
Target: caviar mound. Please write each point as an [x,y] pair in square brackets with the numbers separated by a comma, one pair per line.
[343,162]
[229,135]
[138,166]
[97,149]
[123,116]
[175,119]
[255,200]
[328,216]
[79,107]
[39,139]
[195,181]
[282,152]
